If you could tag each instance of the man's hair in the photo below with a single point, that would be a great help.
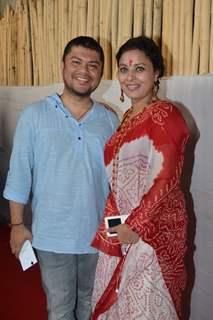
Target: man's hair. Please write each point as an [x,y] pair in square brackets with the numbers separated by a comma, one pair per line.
[86,42]
[150,49]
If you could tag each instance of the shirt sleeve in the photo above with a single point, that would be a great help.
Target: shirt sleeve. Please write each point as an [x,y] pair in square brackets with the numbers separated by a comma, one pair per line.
[19,178]
[114,120]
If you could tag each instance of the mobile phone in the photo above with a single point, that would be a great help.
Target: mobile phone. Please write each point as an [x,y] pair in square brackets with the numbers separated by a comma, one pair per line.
[113,221]
[27,256]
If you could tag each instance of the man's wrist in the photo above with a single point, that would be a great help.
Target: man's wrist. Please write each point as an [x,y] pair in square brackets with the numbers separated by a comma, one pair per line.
[16,224]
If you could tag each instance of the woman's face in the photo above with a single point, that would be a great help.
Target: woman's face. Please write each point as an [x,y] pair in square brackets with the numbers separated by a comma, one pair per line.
[137,76]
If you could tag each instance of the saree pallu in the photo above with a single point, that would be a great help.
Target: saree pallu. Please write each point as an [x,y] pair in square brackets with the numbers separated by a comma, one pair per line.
[144,159]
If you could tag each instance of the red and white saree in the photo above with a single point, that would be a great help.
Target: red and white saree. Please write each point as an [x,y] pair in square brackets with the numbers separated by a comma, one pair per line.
[144,159]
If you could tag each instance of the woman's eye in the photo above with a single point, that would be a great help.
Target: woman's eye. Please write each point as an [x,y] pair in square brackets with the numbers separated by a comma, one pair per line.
[139,69]
[123,69]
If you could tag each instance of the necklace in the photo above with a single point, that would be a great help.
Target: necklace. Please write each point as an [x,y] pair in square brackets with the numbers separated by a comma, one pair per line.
[126,123]
[121,133]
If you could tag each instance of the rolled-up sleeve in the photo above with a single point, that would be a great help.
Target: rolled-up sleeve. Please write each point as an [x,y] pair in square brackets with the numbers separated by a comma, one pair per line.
[19,179]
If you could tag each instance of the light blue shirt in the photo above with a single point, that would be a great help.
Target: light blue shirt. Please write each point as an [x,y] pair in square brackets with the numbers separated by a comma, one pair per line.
[60,160]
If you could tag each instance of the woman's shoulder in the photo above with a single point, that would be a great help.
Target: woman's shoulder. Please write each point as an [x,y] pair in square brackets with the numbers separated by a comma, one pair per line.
[166,109]
[164,104]
[168,115]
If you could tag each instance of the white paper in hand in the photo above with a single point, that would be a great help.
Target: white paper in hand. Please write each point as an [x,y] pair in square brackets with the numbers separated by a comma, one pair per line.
[27,256]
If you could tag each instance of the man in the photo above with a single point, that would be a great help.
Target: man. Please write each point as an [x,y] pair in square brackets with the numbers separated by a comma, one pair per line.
[58,157]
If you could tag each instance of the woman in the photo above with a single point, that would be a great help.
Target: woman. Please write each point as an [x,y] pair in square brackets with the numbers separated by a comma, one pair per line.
[141,272]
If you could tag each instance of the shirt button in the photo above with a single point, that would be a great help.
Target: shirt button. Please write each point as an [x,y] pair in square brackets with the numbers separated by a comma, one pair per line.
[79,124]
[56,106]
[66,116]
[79,138]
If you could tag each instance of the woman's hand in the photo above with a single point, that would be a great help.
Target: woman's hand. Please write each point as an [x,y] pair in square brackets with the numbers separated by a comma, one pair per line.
[125,234]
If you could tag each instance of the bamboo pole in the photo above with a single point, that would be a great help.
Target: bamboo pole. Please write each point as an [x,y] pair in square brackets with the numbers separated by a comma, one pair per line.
[57,39]
[175,46]
[45,43]
[205,36]
[65,8]
[25,40]
[34,42]
[188,17]
[138,18]
[48,56]
[128,12]
[82,15]
[105,13]
[181,41]
[70,9]
[8,37]
[54,43]
[157,21]
[90,18]
[125,21]
[96,20]
[108,48]
[61,25]
[102,12]
[211,42]
[196,38]
[120,24]
[165,32]
[28,51]
[75,19]
[4,56]
[13,50]
[1,51]
[19,36]
[22,58]
[148,18]
[40,45]
[51,44]
[170,38]
[114,33]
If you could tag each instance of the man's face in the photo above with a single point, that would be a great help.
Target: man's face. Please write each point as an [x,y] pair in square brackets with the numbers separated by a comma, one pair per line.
[81,71]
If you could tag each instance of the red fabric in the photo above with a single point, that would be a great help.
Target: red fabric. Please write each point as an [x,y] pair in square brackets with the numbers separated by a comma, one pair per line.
[160,219]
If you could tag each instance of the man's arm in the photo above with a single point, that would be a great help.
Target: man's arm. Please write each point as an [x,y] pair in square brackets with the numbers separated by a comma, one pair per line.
[19,233]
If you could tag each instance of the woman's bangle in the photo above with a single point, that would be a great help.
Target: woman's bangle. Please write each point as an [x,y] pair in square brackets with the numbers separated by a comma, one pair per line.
[16,224]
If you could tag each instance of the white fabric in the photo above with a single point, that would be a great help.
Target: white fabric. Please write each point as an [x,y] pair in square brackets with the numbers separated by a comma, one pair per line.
[195,93]
[142,273]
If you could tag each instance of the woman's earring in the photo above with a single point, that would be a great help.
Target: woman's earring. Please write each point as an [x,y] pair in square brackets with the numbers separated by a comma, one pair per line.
[156,87]
[122,96]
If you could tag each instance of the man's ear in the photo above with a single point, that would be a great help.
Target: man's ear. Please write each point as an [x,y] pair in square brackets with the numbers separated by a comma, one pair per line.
[62,68]
[62,65]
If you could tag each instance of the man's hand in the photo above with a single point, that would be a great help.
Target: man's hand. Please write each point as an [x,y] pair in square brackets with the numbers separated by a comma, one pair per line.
[125,234]
[18,235]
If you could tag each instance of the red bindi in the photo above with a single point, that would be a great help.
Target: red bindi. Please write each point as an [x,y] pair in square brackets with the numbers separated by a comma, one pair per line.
[130,62]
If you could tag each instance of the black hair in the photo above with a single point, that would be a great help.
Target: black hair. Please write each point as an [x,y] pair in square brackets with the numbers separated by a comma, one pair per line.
[86,42]
[150,49]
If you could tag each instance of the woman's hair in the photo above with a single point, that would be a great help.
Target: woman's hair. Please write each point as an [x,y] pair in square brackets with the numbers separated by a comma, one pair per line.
[150,49]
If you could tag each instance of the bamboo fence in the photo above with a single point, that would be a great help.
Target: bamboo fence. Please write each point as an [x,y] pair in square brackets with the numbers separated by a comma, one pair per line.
[33,35]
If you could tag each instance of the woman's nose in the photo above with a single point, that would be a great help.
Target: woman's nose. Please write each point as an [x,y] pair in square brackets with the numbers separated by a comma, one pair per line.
[130,75]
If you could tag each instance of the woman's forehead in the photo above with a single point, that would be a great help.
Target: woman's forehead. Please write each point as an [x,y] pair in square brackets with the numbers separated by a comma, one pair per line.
[132,57]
